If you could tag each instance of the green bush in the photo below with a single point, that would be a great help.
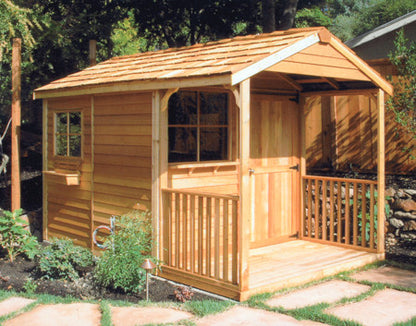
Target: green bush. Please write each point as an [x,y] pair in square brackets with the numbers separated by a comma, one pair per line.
[14,237]
[63,260]
[119,266]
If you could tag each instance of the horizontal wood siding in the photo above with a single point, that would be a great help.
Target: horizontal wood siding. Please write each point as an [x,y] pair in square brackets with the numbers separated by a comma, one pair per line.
[122,154]
[341,133]
[69,207]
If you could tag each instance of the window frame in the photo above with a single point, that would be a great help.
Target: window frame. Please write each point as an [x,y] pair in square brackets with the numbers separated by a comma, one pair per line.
[198,127]
[68,157]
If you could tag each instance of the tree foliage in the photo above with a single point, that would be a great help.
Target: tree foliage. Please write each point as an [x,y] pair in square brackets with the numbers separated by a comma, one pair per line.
[403,103]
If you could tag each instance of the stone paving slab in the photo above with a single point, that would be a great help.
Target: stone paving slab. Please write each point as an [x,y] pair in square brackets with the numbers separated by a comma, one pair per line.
[387,274]
[13,304]
[328,292]
[385,308]
[75,314]
[243,316]
[130,316]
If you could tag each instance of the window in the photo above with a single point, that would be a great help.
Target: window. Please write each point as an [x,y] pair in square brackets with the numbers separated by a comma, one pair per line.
[68,134]
[198,126]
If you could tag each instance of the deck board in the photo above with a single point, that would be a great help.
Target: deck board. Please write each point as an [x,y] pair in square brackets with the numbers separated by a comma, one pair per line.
[298,262]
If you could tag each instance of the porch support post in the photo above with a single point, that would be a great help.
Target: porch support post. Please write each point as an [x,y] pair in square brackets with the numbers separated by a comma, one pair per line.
[302,143]
[380,172]
[245,196]
[159,164]
[155,171]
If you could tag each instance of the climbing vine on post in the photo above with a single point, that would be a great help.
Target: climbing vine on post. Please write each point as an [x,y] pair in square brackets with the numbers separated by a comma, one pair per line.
[403,103]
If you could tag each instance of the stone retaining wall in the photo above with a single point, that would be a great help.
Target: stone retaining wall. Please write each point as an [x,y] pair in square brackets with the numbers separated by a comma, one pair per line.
[401,223]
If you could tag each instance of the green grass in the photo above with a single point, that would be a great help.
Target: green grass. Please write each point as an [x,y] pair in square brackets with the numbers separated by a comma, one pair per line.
[207,307]
[203,308]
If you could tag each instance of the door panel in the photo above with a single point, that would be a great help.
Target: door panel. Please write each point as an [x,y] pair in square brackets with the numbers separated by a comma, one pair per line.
[274,182]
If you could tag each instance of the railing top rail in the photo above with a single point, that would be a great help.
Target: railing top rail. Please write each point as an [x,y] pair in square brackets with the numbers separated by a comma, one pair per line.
[200,193]
[335,179]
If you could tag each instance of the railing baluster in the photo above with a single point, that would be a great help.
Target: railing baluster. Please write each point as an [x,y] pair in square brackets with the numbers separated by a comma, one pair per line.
[217,239]
[310,208]
[339,212]
[234,230]
[324,196]
[331,210]
[200,233]
[225,241]
[364,216]
[316,236]
[177,228]
[347,213]
[208,240]
[193,232]
[355,215]
[185,231]
[372,216]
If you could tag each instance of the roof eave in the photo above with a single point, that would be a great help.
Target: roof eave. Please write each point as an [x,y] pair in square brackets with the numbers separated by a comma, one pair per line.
[134,86]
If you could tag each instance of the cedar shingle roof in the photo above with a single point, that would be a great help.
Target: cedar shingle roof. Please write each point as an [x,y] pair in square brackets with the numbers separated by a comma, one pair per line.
[226,57]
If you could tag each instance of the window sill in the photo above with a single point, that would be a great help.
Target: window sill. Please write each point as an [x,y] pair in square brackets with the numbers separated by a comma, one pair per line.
[69,179]
[191,166]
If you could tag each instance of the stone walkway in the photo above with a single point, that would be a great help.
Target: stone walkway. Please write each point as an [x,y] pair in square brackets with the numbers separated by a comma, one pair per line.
[382,308]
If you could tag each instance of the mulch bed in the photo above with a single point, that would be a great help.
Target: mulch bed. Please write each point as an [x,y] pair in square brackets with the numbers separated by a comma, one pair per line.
[13,276]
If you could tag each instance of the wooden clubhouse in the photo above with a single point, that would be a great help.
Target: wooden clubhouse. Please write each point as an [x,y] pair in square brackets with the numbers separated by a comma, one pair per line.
[211,139]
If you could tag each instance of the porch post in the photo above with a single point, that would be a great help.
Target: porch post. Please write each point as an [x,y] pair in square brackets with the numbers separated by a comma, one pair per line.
[380,172]
[156,171]
[245,199]
[302,128]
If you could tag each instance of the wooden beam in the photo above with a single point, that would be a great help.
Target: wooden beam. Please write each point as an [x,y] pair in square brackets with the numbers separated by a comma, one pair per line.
[380,171]
[245,193]
[160,169]
[134,86]
[364,67]
[273,59]
[332,82]
[367,91]
[155,172]
[44,168]
[16,121]
[302,161]
[291,82]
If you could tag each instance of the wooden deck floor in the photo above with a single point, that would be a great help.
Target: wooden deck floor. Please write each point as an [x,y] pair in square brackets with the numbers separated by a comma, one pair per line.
[298,262]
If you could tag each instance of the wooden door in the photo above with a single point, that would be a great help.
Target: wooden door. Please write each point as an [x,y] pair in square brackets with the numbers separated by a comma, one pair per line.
[274,162]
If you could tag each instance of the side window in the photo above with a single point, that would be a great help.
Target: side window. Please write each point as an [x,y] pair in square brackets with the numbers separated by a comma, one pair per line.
[68,134]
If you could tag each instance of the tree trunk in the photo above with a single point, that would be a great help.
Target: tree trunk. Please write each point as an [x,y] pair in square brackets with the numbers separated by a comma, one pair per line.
[287,18]
[268,13]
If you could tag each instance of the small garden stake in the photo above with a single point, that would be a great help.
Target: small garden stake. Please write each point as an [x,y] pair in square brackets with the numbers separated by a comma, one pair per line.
[147,266]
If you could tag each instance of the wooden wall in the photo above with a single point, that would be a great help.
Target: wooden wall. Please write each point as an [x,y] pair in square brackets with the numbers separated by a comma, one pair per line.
[115,169]
[69,207]
[341,133]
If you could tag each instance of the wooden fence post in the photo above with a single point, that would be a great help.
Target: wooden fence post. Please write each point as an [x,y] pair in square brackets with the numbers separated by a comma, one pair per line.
[16,118]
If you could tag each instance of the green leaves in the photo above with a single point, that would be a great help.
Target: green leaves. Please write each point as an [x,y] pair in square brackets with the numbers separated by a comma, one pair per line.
[14,237]
[120,268]
[62,260]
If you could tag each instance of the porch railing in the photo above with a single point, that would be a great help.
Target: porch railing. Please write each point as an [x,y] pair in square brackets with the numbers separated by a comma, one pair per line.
[199,237]
[342,211]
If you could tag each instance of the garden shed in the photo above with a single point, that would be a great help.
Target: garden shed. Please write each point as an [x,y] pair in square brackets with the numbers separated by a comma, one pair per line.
[211,139]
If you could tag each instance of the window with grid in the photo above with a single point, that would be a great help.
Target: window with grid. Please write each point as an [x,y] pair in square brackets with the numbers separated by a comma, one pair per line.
[198,126]
[68,134]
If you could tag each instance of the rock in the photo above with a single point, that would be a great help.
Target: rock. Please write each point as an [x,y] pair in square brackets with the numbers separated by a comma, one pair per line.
[409,236]
[390,192]
[407,205]
[401,194]
[396,223]
[409,226]
[400,215]
[410,192]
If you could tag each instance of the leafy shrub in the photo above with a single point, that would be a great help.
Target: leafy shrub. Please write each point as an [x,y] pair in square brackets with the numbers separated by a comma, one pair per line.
[14,237]
[131,243]
[63,260]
